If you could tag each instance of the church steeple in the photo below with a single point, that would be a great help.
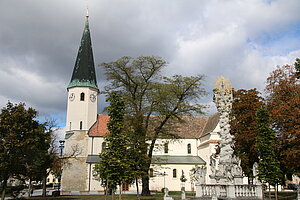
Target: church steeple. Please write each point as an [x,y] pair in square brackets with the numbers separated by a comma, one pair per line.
[84,74]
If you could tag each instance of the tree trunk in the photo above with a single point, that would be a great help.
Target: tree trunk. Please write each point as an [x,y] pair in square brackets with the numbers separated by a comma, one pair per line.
[106,189]
[44,193]
[137,189]
[29,188]
[113,194]
[4,188]
[145,186]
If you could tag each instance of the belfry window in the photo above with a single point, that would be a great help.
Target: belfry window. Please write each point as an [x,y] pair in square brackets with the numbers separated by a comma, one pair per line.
[80,125]
[82,96]
[189,149]
[166,147]
[174,173]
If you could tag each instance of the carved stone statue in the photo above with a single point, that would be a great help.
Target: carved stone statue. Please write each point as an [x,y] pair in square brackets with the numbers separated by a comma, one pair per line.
[228,166]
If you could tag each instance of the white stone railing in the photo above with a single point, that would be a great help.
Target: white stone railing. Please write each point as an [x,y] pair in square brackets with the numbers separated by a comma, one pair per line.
[229,191]
[247,190]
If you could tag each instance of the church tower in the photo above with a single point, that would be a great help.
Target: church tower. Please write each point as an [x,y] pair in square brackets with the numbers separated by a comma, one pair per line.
[83,89]
[81,115]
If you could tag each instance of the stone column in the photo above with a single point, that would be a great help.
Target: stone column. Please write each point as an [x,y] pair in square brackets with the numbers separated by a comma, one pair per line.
[199,191]
[230,191]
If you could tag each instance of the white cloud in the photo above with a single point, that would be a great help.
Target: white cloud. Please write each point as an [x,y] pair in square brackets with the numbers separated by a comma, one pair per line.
[242,40]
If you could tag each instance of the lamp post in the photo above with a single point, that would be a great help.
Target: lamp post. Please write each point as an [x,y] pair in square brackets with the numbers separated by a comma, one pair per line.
[61,147]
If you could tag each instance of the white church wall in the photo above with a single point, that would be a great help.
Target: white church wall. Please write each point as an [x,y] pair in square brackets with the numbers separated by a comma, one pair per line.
[95,145]
[175,147]
[172,183]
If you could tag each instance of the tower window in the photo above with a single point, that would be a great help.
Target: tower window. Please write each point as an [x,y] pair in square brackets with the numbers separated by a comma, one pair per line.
[70,126]
[189,149]
[80,125]
[82,96]
[166,147]
[174,173]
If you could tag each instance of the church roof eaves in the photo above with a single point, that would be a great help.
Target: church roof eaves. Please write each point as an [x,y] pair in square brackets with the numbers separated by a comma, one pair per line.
[181,160]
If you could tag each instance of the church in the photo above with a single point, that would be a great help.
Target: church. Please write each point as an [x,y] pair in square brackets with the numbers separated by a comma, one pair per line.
[85,131]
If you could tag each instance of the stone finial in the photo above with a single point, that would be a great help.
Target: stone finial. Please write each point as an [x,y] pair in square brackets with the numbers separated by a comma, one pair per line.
[223,85]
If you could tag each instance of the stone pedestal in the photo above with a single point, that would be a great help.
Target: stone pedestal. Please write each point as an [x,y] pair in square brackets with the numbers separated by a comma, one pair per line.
[238,180]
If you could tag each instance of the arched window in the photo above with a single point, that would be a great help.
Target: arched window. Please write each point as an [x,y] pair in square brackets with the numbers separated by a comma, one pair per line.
[166,147]
[189,149]
[151,172]
[70,126]
[103,146]
[82,96]
[174,173]
[80,125]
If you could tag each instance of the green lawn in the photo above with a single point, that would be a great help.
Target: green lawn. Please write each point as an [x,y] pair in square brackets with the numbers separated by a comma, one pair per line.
[282,196]
[99,197]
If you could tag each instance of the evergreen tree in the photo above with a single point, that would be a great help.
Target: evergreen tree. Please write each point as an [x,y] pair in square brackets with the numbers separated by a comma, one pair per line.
[268,165]
[297,67]
[115,167]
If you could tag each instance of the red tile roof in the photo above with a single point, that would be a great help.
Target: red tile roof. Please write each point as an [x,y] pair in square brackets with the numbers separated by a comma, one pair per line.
[193,126]
[99,128]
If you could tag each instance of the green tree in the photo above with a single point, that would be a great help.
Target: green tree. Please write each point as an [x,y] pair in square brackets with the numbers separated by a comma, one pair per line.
[147,93]
[244,127]
[37,158]
[20,133]
[297,67]
[268,165]
[115,167]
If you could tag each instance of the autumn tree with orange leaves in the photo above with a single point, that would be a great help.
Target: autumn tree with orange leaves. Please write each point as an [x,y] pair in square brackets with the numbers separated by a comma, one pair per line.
[244,126]
[283,90]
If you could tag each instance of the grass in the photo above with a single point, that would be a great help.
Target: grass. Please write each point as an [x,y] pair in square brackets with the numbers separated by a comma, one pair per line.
[99,197]
[282,195]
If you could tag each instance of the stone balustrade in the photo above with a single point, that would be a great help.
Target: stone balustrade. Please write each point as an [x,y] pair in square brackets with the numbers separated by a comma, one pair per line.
[229,191]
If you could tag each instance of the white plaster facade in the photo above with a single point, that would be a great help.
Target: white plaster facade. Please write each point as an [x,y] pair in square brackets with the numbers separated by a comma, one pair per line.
[81,107]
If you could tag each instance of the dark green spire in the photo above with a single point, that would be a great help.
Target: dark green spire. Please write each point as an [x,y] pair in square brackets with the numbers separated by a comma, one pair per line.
[84,74]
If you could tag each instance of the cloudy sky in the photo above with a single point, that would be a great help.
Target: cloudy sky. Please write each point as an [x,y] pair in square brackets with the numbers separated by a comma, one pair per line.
[242,40]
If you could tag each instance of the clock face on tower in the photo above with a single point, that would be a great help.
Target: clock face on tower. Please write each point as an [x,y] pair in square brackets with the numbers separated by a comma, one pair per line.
[93,97]
[72,96]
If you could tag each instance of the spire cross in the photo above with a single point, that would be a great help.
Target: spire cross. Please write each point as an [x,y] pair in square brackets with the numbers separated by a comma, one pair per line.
[87,9]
